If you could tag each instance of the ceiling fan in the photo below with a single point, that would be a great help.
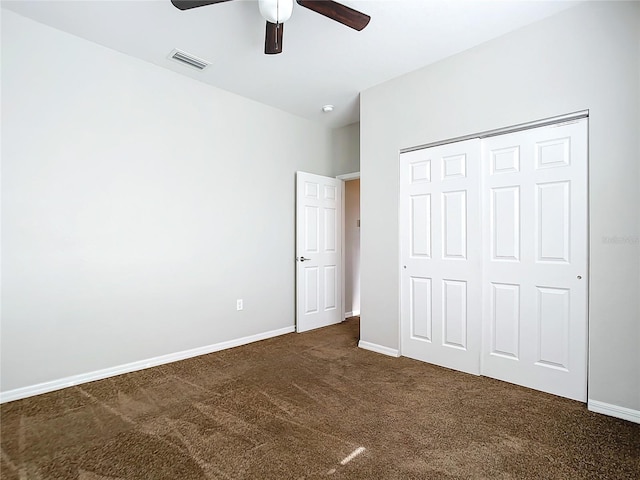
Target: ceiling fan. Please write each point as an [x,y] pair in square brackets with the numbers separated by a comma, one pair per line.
[276,12]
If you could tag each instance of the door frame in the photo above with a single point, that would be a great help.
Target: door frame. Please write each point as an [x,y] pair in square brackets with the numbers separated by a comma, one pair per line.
[345,178]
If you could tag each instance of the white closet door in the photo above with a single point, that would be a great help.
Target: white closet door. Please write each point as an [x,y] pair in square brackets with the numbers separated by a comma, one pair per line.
[535,259]
[440,255]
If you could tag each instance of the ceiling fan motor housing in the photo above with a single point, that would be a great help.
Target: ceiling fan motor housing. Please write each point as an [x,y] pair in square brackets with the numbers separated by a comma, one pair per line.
[276,11]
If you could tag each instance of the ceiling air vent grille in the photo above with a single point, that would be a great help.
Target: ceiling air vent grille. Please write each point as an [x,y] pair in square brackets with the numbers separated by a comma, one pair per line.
[188,59]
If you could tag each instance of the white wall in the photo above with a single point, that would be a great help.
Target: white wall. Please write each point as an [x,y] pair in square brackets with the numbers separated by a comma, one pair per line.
[352,246]
[137,206]
[585,58]
[346,148]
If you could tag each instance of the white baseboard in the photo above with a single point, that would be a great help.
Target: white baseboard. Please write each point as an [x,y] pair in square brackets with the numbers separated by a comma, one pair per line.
[355,313]
[73,380]
[614,410]
[392,352]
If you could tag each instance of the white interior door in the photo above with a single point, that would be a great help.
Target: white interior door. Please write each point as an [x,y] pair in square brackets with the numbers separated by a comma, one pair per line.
[318,251]
[440,256]
[535,258]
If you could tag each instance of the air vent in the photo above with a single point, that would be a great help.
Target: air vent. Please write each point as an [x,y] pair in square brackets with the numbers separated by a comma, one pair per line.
[188,59]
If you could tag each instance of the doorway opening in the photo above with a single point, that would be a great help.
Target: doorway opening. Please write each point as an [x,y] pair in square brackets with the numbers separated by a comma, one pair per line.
[351,242]
[352,248]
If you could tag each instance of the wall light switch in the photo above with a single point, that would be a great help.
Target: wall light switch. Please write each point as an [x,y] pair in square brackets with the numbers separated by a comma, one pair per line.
[239,305]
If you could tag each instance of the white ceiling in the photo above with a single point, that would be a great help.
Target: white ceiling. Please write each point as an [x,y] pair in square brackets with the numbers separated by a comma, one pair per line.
[322,61]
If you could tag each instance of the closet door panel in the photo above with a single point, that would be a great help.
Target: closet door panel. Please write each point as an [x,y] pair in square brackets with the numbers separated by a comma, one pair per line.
[535,258]
[440,269]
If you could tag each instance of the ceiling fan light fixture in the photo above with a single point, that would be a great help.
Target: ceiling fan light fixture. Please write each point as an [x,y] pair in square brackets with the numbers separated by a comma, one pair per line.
[276,11]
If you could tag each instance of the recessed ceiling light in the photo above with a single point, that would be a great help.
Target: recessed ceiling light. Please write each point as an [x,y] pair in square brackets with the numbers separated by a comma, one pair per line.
[327,108]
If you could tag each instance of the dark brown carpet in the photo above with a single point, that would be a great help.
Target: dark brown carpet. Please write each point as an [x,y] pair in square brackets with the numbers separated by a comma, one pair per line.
[308,406]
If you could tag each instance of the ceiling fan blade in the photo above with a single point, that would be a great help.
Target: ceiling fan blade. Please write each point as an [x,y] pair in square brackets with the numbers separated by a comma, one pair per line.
[187,4]
[273,38]
[338,12]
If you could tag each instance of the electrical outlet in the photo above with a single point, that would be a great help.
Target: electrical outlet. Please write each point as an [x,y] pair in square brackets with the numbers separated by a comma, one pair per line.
[239,305]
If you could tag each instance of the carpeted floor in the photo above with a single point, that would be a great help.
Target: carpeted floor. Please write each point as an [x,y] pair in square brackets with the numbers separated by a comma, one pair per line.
[310,405]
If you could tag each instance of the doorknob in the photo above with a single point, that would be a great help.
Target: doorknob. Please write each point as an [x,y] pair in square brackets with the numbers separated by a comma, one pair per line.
[302,259]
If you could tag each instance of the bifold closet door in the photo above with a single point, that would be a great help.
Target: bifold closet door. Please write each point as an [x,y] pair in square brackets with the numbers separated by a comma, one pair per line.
[440,255]
[535,258]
